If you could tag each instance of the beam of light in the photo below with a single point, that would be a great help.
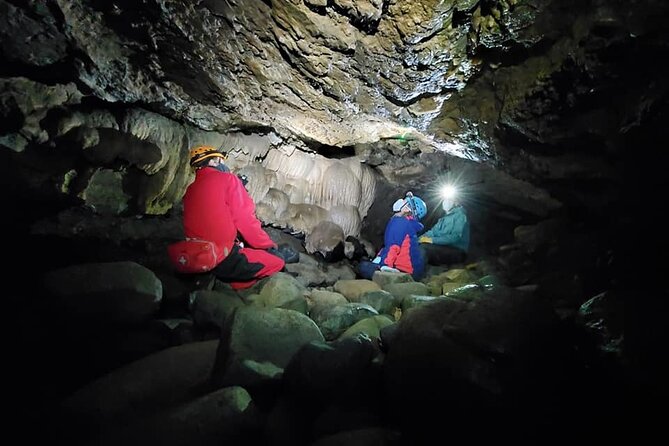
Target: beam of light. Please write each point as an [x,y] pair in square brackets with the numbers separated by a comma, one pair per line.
[448,192]
[451,185]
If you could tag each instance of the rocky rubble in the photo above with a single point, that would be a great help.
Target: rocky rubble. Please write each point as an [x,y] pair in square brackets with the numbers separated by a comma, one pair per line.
[308,359]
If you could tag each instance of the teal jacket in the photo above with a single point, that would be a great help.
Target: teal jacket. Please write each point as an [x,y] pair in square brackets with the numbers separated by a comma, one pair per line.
[452,229]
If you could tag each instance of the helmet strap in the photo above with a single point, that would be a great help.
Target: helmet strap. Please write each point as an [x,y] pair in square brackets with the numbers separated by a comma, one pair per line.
[221,167]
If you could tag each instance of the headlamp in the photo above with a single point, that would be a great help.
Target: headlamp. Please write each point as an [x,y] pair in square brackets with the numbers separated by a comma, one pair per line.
[448,192]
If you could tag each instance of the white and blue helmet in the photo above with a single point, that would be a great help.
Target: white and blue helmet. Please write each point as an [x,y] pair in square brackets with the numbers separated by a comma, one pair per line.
[416,205]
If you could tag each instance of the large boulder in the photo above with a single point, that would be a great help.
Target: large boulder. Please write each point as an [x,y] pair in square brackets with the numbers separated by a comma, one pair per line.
[117,292]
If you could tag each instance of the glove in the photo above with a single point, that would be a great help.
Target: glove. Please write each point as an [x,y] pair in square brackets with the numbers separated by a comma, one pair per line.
[425,239]
[288,254]
[389,269]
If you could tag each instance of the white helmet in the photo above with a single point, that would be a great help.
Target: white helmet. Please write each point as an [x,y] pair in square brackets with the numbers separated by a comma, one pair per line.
[397,206]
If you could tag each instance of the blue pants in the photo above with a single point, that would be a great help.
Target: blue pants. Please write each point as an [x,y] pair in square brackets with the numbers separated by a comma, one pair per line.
[366,269]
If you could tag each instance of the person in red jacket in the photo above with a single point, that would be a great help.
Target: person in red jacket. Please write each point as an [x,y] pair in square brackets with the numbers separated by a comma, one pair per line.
[218,208]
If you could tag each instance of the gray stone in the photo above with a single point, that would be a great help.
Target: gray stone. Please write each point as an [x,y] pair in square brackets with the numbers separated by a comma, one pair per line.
[124,292]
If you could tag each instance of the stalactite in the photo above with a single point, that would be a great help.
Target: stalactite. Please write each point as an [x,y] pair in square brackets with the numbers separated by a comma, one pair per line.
[348,218]
[338,186]
[367,184]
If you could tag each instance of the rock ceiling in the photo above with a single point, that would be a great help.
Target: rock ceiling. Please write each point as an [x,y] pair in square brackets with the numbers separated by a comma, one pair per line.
[332,98]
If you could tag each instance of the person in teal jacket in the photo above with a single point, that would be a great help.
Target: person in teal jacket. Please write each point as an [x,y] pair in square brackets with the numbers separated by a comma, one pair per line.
[447,242]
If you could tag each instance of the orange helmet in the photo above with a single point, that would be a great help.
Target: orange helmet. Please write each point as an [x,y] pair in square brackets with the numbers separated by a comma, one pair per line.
[201,153]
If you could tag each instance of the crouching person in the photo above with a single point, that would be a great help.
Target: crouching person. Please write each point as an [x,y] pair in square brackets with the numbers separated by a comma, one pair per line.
[218,208]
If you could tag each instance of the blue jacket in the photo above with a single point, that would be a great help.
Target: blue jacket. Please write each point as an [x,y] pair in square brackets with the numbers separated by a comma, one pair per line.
[401,248]
[452,229]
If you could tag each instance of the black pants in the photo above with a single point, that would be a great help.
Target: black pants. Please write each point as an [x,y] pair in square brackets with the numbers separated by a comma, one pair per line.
[442,254]
[236,267]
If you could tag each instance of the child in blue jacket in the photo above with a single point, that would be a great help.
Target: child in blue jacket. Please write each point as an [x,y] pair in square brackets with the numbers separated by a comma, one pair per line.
[401,250]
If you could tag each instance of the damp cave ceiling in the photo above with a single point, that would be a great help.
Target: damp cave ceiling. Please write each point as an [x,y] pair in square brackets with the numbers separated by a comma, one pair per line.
[334,74]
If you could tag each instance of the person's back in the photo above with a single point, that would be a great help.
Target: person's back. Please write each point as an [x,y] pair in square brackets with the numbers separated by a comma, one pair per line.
[206,206]
[218,208]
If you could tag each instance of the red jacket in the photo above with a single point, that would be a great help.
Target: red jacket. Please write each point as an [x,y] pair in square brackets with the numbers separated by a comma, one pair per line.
[217,206]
